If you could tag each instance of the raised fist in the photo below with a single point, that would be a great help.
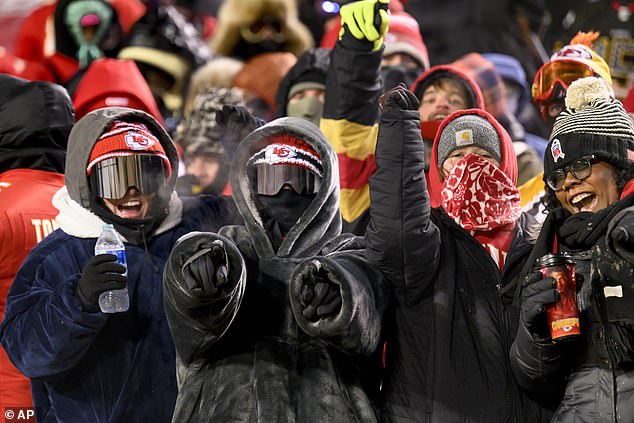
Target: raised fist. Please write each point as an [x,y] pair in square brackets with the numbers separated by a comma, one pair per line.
[398,98]
[365,20]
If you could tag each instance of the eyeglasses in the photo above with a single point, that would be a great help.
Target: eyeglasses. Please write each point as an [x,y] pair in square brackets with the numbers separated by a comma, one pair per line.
[562,71]
[580,169]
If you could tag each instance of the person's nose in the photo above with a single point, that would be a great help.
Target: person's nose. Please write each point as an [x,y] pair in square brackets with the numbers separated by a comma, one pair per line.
[442,103]
[570,180]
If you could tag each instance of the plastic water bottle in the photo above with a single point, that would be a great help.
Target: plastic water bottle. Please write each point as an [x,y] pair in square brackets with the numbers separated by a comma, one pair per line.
[109,242]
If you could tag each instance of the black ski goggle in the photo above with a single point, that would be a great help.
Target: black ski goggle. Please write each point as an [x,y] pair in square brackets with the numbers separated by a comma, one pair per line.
[270,179]
[111,178]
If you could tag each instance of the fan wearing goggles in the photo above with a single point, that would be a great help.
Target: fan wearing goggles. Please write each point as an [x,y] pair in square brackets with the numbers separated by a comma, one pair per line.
[286,176]
[574,61]
[127,168]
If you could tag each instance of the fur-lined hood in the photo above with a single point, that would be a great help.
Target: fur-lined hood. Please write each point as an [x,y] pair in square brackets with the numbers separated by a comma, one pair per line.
[235,14]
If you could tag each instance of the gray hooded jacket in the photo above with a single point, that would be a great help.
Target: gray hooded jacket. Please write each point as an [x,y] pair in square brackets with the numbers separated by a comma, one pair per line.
[248,354]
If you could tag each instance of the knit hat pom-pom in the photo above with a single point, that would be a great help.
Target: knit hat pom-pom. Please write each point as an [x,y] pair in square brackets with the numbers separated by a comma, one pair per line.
[583,91]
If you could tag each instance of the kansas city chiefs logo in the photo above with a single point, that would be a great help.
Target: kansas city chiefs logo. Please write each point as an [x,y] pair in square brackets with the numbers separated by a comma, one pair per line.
[279,152]
[556,150]
[573,52]
[138,141]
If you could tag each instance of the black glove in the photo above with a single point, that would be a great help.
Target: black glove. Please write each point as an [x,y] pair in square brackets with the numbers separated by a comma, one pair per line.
[102,273]
[207,270]
[235,123]
[537,293]
[398,98]
[320,296]
[622,237]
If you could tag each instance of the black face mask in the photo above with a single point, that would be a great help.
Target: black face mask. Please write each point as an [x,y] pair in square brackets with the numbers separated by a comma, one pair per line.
[280,212]
[394,75]
[245,50]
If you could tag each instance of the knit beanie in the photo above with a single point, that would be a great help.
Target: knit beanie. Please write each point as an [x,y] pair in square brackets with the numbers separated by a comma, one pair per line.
[287,149]
[404,36]
[469,130]
[593,123]
[125,139]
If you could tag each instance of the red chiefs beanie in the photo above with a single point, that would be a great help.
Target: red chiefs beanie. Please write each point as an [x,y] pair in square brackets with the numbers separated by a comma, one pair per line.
[289,150]
[125,139]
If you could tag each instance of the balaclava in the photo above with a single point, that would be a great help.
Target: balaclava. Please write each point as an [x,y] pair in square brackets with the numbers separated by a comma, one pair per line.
[309,107]
[83,14]
[282,210]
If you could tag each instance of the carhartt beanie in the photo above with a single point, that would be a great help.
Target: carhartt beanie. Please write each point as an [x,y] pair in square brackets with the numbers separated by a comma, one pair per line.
[593,123]
[469,130]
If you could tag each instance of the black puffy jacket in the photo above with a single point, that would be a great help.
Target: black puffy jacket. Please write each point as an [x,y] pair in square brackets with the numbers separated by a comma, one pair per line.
[450,332]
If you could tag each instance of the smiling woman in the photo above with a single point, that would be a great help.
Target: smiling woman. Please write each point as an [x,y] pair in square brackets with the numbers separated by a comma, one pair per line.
[589,173]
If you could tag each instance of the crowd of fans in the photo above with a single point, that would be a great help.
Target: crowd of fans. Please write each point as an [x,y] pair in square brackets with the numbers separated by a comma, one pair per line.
[331,212]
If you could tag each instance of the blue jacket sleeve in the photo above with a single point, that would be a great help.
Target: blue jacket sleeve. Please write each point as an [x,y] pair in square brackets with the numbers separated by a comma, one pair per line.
[401,239]
[45,330]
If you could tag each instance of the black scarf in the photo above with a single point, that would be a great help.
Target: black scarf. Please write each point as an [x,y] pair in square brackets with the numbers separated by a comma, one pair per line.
[575,232]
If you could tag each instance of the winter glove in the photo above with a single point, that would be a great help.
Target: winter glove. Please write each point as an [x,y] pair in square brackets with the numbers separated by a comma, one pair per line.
[207,270]
[320,296]
[235,123]
[537,293]
[622,236]
[102,273]
[398,98]
[362,22]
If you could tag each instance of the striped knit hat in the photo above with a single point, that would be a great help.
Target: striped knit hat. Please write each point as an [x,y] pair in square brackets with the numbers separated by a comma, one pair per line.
[125,139]
[593,123]
[287,149]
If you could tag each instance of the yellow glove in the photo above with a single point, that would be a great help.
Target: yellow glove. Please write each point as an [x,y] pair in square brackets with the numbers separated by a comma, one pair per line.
[365,20]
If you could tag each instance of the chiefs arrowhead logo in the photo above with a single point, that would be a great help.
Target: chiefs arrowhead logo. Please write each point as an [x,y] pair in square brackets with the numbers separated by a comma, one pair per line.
[138,141]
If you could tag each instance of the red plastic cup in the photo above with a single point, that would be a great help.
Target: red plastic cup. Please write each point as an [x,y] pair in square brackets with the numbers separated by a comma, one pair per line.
[563,316]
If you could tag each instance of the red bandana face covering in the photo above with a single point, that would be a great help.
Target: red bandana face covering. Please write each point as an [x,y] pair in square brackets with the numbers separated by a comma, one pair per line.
[479,196]
[485,202]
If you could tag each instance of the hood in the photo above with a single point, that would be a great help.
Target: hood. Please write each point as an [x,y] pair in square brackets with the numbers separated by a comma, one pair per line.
[111,82]
[321,221]
[235,14]
[311,66]
[509,161]
[64,41]
[85,134]
[35,120]
[476,100]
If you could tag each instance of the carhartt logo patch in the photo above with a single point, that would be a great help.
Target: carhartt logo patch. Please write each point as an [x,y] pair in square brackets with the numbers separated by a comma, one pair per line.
[464,137]
[556,151]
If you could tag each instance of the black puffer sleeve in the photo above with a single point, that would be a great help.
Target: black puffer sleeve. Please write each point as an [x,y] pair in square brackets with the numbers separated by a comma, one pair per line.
[197,322]
[401,239]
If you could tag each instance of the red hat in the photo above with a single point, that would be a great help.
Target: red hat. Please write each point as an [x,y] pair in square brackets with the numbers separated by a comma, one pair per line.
[403,36]
[124,139]
[287,149]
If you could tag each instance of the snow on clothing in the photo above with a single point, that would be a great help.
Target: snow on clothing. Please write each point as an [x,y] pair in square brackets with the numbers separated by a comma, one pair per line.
[35,120]
[590,379]
[250,355]
[88,366]
[447,348]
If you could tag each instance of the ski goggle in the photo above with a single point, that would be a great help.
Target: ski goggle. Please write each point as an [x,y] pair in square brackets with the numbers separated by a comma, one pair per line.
[562,71]
[111,178]
[580,169]
[270,179]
